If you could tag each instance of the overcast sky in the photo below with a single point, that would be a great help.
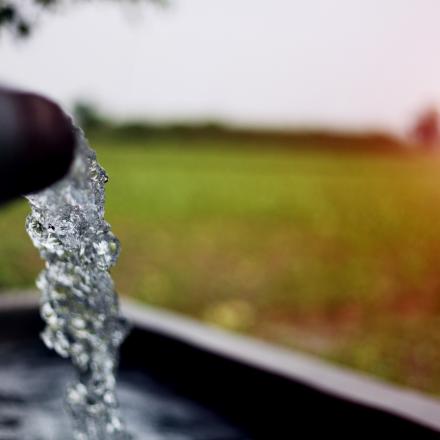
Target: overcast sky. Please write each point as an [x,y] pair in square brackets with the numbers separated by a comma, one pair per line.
[344,63]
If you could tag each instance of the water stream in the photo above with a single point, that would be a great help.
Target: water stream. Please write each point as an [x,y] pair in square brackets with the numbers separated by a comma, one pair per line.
[79,304]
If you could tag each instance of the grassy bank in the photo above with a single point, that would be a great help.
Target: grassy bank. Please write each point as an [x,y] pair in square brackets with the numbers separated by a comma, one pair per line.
[333,254]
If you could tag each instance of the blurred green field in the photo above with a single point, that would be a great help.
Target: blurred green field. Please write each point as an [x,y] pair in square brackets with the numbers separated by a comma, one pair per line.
[336,255]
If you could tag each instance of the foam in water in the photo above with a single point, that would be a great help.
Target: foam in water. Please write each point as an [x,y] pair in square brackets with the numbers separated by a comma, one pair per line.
[79,303]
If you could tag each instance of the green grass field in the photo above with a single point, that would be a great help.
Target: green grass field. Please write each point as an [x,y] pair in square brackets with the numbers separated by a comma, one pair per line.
[336,255]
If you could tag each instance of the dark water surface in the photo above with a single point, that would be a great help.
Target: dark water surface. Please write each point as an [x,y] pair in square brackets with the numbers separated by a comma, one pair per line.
[32,384]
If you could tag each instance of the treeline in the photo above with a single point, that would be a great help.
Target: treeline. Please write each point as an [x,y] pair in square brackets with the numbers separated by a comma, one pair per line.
[96,125]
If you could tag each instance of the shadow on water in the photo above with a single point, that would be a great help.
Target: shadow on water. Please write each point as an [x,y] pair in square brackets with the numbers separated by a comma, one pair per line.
[32,383]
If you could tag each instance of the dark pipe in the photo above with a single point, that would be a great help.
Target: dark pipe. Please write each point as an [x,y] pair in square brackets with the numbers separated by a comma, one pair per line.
[36,143]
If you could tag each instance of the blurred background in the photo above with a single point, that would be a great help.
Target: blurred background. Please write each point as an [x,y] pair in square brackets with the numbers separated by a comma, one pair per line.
[274,165]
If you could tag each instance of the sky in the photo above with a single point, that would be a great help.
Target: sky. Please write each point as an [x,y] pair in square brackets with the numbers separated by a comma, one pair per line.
[351,64]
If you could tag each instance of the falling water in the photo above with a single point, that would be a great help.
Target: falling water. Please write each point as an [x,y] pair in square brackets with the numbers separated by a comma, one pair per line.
[79,303]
